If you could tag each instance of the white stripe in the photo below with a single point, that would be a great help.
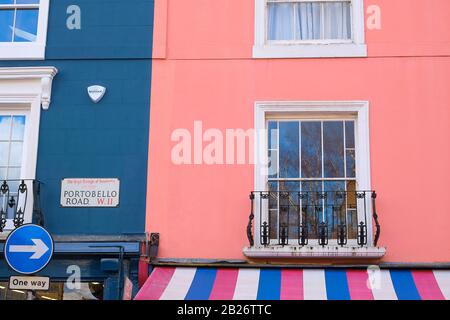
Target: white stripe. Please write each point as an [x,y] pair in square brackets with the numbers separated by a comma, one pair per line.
[443,280]
[247,284]
[314,286]
[179,285]
[382,286]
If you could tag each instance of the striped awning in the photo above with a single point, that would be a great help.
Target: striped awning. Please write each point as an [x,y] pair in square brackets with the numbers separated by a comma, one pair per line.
[166,283]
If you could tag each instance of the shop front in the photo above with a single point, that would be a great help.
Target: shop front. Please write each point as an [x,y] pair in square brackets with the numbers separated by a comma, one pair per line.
[83,270]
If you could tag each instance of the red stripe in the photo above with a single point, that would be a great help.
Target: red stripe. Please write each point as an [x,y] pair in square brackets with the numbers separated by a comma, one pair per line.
[358,285]
[224,285]
[291,284]
[427,285]
[155,284]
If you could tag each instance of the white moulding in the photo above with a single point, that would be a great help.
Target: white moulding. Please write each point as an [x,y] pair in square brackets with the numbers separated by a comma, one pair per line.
[314,252]
[40,77]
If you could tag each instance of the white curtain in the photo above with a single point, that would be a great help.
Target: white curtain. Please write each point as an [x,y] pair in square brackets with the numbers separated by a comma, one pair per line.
[280,24]
[308,20]
[337,20]
[313,20]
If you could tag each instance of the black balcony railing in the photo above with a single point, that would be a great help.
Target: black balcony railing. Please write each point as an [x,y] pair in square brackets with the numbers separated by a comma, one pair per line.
[18,199]
[313,218]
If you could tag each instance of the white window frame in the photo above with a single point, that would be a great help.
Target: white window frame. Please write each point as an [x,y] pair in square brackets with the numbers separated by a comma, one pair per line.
[355,47]
[28,50]
[25,91]
[357,110]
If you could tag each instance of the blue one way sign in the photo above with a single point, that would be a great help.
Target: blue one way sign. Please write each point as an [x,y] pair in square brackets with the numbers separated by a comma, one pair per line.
[28,249]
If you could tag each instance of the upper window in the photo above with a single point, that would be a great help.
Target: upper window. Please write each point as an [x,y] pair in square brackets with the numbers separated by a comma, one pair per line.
[312,193]
[309,28]
[23,29]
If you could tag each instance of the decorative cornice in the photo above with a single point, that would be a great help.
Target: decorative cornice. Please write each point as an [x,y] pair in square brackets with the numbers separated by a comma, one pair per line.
[44,75]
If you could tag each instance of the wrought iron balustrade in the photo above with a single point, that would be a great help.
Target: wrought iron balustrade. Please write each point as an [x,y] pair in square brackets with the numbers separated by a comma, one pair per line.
[20,199]
[341,218]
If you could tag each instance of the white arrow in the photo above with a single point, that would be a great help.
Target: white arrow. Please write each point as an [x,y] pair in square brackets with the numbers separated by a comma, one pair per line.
[38,249]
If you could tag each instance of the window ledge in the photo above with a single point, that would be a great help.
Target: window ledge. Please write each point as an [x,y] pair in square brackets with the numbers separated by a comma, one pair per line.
[314,252]
[332,50]
[22,51]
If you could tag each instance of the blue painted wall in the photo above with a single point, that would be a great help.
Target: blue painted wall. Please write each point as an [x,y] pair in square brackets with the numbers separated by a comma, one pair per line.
[80,139]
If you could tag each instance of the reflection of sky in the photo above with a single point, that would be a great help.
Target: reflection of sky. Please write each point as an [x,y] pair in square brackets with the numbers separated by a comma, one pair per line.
[26,23]
[311,150]
[333,149]
[6,20]
[26,26]
[289,149]
[349,134]
[11,144]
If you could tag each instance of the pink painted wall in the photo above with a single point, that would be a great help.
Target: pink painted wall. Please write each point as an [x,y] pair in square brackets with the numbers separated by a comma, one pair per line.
[203,70]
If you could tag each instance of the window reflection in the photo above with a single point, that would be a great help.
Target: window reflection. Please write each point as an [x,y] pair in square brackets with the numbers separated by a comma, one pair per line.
[315,156]
[19,20]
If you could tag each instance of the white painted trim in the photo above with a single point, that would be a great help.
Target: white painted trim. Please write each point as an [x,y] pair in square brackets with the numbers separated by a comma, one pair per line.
[358,109]
[335,50]
[29,50]
[24,91]
[314,49]
[43,76]
[314,252]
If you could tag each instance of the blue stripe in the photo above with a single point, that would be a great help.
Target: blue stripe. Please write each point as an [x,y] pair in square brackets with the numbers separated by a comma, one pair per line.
[202,284]
[404,285]
[337,285]
[269,284]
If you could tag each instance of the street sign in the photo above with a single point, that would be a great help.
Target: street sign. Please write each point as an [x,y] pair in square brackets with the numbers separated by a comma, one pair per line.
[29,283]
[90,193]
[28,249]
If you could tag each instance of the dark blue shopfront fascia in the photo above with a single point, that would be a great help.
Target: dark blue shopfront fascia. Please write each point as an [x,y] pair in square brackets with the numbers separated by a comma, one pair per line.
[80,139]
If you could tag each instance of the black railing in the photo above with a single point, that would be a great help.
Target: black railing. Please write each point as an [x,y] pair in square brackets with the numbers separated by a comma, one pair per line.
[19,198]
[313,218]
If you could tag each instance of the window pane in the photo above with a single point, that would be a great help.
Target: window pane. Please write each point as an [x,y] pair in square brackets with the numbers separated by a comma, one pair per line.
[14,174]
[4,153]
[6,25]
[308,21]
[280,24]
[313,206]
[351,164]
[15,158]
[273,210]
[352,219]
[2,174]
[350,134]
[311,150]
[5,127]
[18,128]
[337,20]
[26,25]
[6,1]
[335,206]
[333,149]
[273,134]
[288,208]
[273,164]
[273,200]
[289,149]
